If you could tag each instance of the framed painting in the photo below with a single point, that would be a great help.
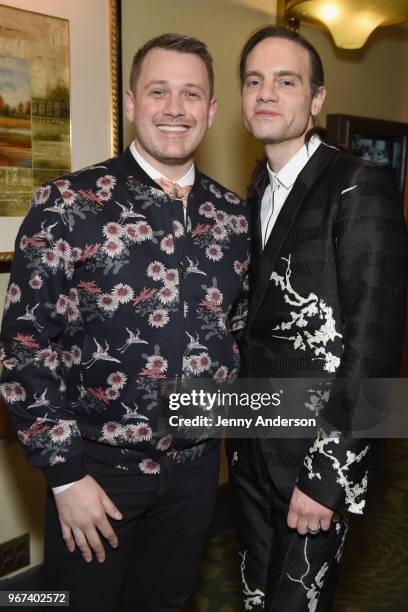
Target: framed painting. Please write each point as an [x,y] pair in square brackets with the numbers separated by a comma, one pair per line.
[35,127]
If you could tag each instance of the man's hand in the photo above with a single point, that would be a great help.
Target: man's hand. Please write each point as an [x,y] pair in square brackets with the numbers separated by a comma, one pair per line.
[307,515]
[82,509]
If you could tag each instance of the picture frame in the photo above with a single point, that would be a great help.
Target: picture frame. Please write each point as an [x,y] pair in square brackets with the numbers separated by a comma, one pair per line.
[35,121]
[385,143]
[116,97]
[10,224]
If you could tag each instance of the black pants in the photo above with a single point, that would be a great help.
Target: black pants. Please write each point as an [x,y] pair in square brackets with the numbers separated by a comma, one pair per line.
[280,569]
[161,537]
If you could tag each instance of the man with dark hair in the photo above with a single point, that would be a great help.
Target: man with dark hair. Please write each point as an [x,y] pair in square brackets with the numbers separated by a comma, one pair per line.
[127,275]
[327,280]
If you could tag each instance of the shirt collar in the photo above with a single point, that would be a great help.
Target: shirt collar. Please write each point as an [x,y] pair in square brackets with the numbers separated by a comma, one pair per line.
[187,179]
[290,171]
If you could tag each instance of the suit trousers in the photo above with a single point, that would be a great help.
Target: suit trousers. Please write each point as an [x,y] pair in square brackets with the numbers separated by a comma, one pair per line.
[161,537]
[280,569]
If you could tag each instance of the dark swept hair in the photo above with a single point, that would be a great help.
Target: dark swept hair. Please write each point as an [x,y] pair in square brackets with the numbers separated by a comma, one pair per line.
[271,31]
[173,42]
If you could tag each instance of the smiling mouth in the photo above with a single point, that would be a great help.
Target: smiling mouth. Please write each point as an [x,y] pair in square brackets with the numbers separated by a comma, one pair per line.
[173,129]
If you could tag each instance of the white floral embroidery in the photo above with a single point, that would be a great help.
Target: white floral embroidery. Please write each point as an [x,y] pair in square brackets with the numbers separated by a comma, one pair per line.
[148,466]
[62,431]
[352,490]
[251,598]
[313,591]
[12,392]
[339,552]
[307,308]
[317,400]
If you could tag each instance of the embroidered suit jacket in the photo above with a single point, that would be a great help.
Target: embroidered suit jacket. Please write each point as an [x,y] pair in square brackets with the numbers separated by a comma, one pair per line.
[328,300]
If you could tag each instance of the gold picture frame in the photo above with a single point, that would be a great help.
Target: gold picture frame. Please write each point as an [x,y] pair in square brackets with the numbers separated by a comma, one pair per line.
[115,76]
[6,257]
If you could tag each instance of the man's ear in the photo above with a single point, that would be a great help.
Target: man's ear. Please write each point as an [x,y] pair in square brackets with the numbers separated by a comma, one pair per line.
[318,100]
[129,105]
[212,112]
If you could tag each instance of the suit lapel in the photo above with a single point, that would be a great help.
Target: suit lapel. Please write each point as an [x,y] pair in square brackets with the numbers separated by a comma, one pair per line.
[263,263]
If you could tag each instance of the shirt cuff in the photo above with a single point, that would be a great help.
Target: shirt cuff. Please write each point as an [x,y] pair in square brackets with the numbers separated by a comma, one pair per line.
[61,488]
[63,473]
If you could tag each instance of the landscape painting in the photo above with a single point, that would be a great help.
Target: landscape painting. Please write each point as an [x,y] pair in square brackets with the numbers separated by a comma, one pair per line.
[34,105]
[15,113]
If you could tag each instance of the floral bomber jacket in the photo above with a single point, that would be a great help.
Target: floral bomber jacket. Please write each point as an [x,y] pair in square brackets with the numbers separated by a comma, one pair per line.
[108,297]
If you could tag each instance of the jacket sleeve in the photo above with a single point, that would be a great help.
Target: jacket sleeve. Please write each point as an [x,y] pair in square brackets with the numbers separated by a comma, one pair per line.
[372,257]
[35,352]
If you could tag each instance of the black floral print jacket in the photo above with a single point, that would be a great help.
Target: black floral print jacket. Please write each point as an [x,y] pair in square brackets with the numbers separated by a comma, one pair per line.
[108,296]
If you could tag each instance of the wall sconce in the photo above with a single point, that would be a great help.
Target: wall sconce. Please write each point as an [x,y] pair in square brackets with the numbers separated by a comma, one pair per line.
[350,22]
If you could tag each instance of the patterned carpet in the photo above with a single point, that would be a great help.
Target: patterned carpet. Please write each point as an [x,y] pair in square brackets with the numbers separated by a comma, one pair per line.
[374,574]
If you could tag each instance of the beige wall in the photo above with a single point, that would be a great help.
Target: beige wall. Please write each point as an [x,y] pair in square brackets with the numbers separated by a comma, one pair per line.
[227,153]
[371,82]
[21,488]
[22,494]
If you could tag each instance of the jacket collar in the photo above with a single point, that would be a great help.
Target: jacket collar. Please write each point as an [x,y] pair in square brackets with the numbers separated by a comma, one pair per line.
[263,262]
[291,170]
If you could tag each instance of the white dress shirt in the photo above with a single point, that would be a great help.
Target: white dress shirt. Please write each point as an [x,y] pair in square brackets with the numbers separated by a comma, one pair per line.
[187,179]
[280,186]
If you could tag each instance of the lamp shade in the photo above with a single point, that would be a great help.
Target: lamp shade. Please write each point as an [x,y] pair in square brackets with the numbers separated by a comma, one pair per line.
[350,22]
